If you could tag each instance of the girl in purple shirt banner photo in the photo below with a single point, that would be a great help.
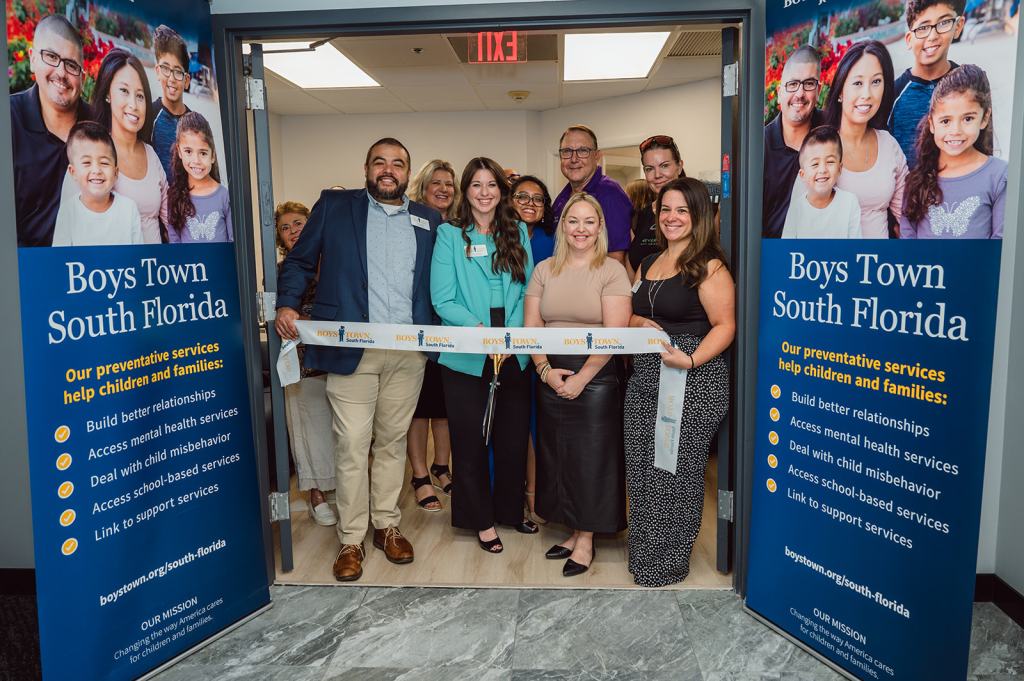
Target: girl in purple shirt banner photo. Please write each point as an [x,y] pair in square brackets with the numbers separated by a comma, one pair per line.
[958,189]
[198,203]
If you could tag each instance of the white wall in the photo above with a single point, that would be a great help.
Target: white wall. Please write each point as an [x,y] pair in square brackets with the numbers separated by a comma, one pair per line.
[316,152]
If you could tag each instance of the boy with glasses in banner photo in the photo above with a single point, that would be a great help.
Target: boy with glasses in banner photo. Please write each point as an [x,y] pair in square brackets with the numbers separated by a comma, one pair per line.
[932,27]
[172,70]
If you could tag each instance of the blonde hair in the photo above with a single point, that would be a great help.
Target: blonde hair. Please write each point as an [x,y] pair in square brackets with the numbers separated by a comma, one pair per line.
[561,255]
[284,209]
[419,184]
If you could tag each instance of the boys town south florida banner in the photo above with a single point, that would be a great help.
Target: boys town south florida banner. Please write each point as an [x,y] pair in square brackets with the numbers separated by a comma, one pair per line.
[143,476]
[886,129]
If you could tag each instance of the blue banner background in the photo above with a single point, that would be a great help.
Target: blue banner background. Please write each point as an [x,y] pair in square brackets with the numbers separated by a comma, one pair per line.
[935,578]
[80,638]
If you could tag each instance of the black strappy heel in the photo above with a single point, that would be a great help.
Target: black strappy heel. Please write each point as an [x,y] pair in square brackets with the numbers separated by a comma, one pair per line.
[437,470]
[424,502]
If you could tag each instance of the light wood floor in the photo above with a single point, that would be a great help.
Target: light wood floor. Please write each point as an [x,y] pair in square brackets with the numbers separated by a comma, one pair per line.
[449,557]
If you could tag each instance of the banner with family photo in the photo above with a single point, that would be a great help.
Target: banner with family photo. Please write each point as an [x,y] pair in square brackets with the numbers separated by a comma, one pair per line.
[886,130]
[145,509]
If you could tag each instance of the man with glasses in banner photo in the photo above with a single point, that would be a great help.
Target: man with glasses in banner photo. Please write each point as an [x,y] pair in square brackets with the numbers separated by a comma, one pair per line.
[41,118]
[797,95]
[579,155]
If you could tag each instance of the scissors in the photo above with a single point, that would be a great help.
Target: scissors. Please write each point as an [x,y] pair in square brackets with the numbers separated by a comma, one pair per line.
[497,361]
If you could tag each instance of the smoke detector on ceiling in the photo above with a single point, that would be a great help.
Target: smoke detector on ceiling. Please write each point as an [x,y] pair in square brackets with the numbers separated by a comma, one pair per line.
[518,95]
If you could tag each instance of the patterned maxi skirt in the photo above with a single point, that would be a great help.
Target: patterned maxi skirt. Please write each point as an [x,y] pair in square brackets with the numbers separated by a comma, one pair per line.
[664,509]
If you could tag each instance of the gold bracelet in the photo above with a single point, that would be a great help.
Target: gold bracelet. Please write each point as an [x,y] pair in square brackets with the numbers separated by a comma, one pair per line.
[541,367]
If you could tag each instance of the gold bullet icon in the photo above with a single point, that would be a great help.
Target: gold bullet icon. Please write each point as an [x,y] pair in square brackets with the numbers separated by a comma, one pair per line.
[776,391]
[773,461]
[62,434]
[64,462]
[67,517]
[773,437]
[770,484]
[774,414]
[65,489]
[69,546]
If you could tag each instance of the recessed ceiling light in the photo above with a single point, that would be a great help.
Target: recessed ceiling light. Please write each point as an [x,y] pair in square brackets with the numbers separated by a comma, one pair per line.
[324,67]
[611,56]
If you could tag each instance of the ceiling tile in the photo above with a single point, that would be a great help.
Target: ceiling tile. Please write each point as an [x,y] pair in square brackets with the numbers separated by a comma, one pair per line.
[383,51]
[524,74]
[679,70]
[287,100]
[578,93]
[362,100]
[437,76]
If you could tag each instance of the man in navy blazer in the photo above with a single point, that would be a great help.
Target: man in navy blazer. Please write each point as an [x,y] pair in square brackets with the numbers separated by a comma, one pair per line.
[370,251]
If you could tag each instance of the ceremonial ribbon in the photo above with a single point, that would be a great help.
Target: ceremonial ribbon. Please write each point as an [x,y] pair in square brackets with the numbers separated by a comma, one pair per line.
[491,340]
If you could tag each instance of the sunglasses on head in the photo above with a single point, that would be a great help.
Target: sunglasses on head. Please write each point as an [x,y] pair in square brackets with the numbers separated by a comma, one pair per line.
[660,140]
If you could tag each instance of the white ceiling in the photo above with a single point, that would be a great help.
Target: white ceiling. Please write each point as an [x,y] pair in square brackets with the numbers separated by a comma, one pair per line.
[436,79]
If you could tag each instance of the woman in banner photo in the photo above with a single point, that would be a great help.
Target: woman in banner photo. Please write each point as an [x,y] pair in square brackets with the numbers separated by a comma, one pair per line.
[306,407]
[478,276]
[532,201]
[580,474]
[121,101]
[661,163]
[874,167]
[687,291]
[958,189]
[198,211]
[434,186]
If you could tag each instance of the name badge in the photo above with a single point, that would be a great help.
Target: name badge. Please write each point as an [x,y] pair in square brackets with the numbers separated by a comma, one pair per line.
[478,251]
[636,285]
[417,221]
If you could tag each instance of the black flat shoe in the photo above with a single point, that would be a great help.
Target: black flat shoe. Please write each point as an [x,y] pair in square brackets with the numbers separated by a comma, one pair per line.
[558,552]
[524,527]
[491,546]
[572,568]
[425,502]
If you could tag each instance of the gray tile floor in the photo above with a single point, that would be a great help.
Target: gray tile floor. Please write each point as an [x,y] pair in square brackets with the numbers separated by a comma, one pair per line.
[377,634]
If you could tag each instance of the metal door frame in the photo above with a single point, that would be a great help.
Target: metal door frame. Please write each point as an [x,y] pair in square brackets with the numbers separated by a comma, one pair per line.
[230,30]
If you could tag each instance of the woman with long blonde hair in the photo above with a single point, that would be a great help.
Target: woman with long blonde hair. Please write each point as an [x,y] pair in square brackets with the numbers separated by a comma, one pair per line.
[580,477]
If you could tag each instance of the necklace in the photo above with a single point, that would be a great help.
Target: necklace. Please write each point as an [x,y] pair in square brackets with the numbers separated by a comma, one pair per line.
[653,288]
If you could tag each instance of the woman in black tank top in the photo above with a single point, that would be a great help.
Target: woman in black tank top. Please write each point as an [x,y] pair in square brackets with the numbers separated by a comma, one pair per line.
[661,163]
[687,291]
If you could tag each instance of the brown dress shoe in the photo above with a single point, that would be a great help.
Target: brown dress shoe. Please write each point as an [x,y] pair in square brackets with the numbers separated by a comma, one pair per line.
[348,566]
[396,547]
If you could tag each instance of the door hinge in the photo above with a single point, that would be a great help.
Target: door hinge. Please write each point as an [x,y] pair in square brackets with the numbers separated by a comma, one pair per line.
[730,79]
[267,303]
[280,506]
[725,505]
[255,97]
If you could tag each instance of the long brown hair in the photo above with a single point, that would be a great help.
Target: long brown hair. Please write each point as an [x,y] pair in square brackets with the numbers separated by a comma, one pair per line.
[509,253]
[116,60]
[922,189]
[179,198]
[704,245]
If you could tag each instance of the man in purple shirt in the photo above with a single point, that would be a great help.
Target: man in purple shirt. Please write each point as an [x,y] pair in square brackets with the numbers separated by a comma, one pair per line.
[579,155]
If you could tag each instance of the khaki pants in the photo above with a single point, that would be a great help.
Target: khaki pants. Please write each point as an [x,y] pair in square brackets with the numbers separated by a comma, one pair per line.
[375,402]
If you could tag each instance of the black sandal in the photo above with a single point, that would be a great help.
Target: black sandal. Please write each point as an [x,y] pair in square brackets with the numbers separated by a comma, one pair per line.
[492,545]
[426,501]
[437,470]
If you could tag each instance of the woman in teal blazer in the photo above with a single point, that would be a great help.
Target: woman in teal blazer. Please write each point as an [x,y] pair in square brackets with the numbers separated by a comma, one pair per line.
[478,277]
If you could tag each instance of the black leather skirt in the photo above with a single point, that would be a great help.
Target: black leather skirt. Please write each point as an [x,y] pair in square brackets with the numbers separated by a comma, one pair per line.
[580,460]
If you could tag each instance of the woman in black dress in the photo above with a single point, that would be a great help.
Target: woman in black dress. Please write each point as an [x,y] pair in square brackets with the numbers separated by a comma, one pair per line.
[687,291]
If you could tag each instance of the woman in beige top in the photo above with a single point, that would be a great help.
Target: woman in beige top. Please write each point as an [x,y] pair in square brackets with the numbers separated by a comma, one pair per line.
[580,469]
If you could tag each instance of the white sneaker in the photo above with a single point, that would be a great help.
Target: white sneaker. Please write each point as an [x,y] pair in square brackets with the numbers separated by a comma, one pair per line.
[323,514]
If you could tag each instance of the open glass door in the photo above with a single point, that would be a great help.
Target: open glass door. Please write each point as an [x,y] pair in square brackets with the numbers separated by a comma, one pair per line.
[256,103]
[727,211]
